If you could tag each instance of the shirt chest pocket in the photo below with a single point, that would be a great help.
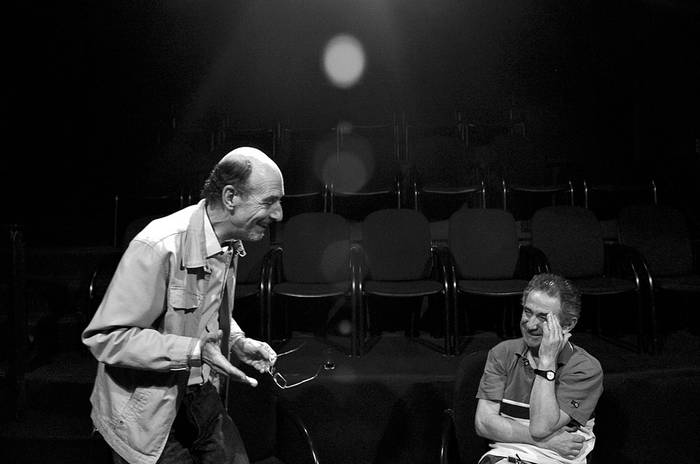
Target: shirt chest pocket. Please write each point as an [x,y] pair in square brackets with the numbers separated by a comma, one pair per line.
[181,298]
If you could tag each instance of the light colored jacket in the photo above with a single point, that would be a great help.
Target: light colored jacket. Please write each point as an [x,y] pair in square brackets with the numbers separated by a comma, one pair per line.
[145,330]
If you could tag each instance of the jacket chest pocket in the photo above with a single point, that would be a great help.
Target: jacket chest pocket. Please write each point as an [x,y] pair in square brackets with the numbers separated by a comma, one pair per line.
[183,317]
[187,290]
[184,299]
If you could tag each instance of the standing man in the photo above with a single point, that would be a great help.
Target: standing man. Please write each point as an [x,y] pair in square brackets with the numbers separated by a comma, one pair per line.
[538,393]
[163,331]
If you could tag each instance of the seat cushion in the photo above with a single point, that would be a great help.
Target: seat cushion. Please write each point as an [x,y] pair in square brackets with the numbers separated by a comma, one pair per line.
[688,283]
[492,287]
[604,285]
[402,289]
[319,290]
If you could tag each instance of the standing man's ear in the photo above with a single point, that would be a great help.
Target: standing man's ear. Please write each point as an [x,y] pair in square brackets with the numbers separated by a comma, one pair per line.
[230,197]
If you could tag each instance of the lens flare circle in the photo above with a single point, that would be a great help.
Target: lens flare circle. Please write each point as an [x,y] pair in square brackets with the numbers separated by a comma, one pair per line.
[344,61]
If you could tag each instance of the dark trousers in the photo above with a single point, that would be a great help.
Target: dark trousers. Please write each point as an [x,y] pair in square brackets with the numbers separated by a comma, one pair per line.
[203,432]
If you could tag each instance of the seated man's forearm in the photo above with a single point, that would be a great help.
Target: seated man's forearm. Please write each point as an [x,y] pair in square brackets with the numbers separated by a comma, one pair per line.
[545,415]
[503,429]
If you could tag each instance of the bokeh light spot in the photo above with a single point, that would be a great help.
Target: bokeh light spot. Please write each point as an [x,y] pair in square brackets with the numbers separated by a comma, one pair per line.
[344,327]
[344,61]
[347,173]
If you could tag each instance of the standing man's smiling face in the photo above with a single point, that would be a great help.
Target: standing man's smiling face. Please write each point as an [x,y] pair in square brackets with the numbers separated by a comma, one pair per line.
[256,209]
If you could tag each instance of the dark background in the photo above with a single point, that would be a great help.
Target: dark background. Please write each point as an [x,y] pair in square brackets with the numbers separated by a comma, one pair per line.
[121,96]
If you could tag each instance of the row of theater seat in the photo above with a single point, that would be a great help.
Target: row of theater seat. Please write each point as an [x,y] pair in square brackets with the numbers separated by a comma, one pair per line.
[435,201]
[317,255]
[438,201]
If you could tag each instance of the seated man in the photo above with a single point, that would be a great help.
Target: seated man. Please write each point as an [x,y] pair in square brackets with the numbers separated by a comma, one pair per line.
[538,393]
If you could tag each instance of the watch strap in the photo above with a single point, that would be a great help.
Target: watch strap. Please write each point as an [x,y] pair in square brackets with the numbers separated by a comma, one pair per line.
[549,375]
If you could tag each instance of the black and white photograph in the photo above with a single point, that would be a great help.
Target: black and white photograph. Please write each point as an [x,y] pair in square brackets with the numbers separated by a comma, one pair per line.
[351,232]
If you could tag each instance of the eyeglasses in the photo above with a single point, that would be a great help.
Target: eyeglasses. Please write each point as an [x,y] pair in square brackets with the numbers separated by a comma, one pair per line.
[282,383]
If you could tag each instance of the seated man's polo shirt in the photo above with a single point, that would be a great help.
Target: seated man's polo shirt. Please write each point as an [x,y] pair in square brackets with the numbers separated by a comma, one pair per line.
[508,378]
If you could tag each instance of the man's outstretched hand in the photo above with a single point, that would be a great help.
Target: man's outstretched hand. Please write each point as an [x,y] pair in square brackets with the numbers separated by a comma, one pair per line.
[211,355]
[255,353]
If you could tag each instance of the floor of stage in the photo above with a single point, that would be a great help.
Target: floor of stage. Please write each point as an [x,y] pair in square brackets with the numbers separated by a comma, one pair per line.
[384,407]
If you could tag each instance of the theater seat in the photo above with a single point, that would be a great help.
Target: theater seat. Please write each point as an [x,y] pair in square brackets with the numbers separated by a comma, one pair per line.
[271,432]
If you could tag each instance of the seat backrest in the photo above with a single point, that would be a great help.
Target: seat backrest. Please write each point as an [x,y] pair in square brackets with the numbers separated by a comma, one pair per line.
[250,265]
[483,243]
[572,240]
[464,403]
[316,248]
[661,235]
[396,245]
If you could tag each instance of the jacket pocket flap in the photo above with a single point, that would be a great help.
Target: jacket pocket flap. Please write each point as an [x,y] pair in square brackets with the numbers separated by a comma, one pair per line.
[181,298]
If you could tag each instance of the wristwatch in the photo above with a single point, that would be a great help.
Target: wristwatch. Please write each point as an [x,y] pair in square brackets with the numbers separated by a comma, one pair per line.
[549,375]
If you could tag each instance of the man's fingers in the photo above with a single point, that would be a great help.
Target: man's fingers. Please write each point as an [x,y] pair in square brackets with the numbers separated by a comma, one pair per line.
[238,375]
[261,366]
[214,337]
[554,325]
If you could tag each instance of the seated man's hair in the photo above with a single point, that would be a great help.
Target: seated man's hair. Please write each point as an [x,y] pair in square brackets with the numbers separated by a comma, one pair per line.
[556,286]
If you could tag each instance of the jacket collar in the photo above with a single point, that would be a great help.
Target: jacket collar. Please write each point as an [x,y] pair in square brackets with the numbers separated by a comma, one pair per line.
[194,244]
[200,241]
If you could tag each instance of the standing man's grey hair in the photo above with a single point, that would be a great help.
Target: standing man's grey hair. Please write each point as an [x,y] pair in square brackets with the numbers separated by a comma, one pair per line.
[233,171]
[556,286]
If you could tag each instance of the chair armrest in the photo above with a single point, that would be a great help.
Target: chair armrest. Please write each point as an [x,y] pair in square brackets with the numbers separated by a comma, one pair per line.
[531,261]
[357,262]
[443,263]
[274,264]
[449,452]
[625,262]
[294,443]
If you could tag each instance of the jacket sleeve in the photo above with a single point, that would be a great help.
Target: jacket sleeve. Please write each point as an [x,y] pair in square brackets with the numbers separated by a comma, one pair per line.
[121,332]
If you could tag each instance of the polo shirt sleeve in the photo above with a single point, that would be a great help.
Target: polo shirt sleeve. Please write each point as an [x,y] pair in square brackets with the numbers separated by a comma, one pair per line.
[493,380]
[579,388]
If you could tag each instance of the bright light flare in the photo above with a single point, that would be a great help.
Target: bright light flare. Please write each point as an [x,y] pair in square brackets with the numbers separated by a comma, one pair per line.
[344,61]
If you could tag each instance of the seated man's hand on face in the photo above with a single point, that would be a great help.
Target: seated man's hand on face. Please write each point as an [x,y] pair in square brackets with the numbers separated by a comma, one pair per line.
[212,355]
[564,442]
[255,353]
[554,338]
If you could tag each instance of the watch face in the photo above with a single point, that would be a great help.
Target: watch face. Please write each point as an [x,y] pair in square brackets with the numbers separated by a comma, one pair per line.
[550,375]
